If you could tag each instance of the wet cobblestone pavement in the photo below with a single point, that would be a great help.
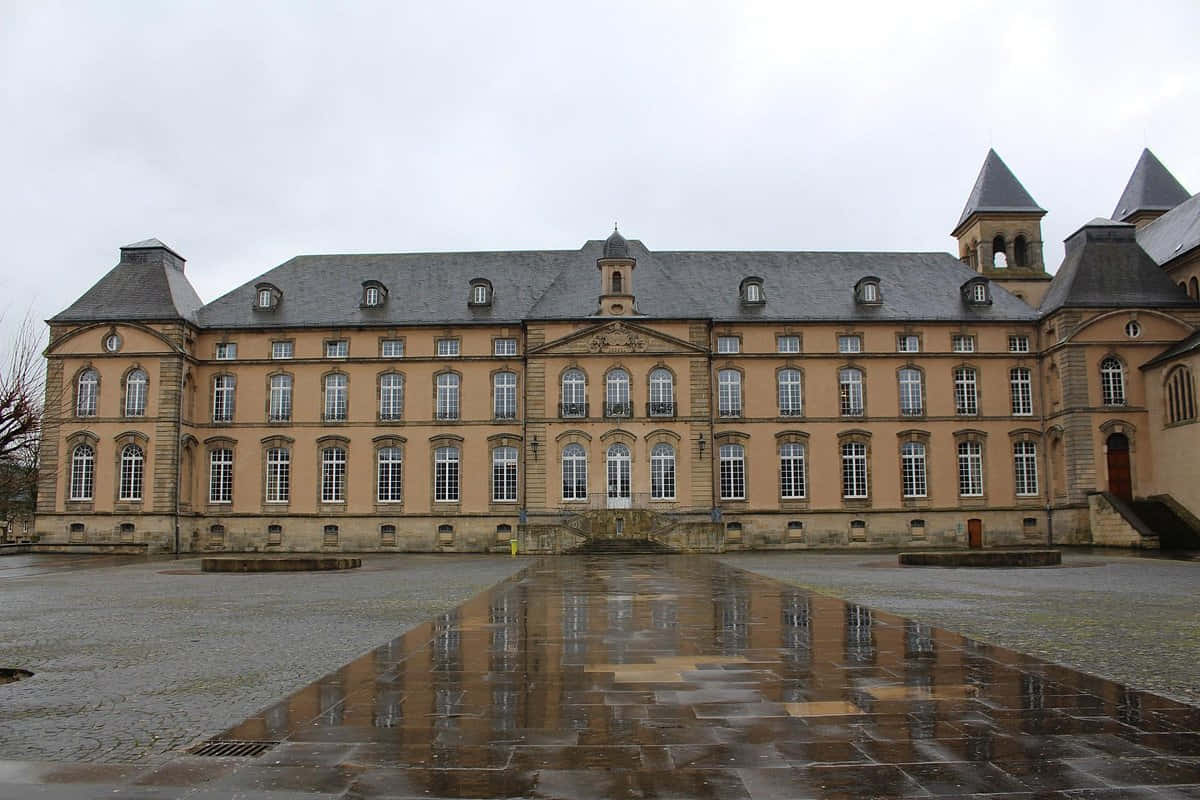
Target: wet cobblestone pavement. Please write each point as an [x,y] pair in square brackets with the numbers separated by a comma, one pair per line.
[679,676]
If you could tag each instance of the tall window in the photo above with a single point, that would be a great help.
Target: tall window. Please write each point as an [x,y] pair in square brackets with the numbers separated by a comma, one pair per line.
[135,393]
[88,392]
[1025,468]
[912,470]
[1112,382]
[733,472]
[966,391]
[223,397]
[729,393]
[504,395]
[574,385]
[280,402]
[390,475]
[220,476]
[333,475]
[912,393]
[1020,381]
[662,472]
[336,400]
[616,394]
[447,396]
[790,398]
[854,470]
[792,475]
[391,396]
[479,295]
[504,475]
[662,393]
[850,389]
[372,297]
[132,463]
[279,475]
[83,472]
[445,474]
[574,472]
[1180,396]
[970,469]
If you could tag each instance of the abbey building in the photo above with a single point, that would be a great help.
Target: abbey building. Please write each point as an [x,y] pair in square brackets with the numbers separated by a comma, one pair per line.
[706,400]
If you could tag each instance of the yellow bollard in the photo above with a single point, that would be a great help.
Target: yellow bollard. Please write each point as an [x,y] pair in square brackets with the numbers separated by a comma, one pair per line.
[512,546]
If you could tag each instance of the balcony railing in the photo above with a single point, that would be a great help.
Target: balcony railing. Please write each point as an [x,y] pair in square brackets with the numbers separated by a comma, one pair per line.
[446,413]
[504,413]
[660,408]
[572,410]
[618,409]
[791,412]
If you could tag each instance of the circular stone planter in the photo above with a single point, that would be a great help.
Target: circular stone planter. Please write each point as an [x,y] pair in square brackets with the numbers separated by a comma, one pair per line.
[982,558]
[299,564]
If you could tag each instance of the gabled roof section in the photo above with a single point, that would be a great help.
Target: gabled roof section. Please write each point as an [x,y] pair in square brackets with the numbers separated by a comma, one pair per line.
[1151,187]
[1174,234]
[147,284]
[1185,346]
[1105,268]
[997,190]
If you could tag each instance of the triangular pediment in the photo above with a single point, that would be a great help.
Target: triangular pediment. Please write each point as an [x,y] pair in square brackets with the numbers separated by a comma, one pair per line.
[617,336]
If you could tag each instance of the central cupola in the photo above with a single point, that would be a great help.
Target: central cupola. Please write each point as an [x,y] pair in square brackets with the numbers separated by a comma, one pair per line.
[616,277]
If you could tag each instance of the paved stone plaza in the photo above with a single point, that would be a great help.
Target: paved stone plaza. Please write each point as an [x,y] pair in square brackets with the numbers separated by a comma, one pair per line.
[653,676]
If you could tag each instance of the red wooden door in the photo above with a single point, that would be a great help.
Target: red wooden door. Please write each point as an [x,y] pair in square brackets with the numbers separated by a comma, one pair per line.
[975,533]
[1120,481]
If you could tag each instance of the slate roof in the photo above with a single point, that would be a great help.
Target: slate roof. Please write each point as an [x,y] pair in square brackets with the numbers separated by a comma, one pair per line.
[996,190]
[147,284]
[1151,187]
[1174,234]
[1188,345]
[1105,268]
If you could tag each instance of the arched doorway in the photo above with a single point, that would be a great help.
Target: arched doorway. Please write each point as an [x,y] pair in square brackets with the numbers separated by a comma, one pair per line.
[618,476]
[1120,481]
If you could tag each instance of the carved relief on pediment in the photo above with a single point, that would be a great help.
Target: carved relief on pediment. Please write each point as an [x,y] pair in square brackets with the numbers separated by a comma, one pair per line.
[617,339]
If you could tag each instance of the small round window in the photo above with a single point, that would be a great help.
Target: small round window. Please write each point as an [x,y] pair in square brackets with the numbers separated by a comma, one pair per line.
[1133,329]
[112,343]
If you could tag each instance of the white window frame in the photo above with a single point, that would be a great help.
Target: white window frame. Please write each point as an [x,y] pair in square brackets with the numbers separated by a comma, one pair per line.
[504,347]
[662,393]
[793,471]
[914,478]
[391,396]
[962,343]
[226,351]
[851,394]
[264,298]
[282,351]
[729,393]
[908,387]
[372,296]
[391,348]
[279,398]
[908,343]
[136,384]
[224,398]
[729,345]
[220,476]
[449,387]
[389,475]
[790,392]
[448,348]
[966,391]
[970,469]
[1112,382]
[787,343]
[850,343]
[337,348]
[504,395]
[447,474]
[574,472]
[336,404]
[732,471]
[574,392]
[662,472]
[1025,469]
[133,474]
[1018,343]
[83,473]
[87,393]
[279,475]
[1020,381]
[333,474]
[504,474]
[855,481]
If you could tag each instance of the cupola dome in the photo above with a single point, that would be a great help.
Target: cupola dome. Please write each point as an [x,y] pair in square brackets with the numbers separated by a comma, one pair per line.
[615,245]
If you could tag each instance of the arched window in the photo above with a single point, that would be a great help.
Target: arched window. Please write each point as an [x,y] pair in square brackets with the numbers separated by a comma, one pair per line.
[966,391]
[1180,395]
[999,257]
[279,475]
[390,475]
[223,398]
[574,472]
[1194,288]
[912,470]
[662,472]
[870,293]
[729,393]
[391,396]
[446,475]
[220,476]
[135,393]
[912,393]
[792,473]
[333,475]
[1112,382]
[754,292]
[574,392]
[662,393]
[617,283]
[279,405]
[616,394]
[479,294]
[850,389]
[87,395]
[504,475]
[504,395]
[733,472]
[447,396]
[790,396]
[83,472]
[132,464]
[1020,252]
[372,296]
[336,397]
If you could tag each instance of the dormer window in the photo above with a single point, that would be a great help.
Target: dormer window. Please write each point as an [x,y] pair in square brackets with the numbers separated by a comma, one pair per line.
[266,297]
[976,293]
[374,294]
[481,292]
[752,292]
[866,291]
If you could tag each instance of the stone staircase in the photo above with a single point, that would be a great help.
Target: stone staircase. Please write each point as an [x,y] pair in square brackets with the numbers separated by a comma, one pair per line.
[627,530]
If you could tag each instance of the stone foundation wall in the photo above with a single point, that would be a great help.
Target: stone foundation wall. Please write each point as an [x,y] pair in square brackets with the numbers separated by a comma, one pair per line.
[1111,529]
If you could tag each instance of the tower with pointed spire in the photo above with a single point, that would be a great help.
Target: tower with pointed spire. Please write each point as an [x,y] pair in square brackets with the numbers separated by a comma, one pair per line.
[1000,232]
[1151,192]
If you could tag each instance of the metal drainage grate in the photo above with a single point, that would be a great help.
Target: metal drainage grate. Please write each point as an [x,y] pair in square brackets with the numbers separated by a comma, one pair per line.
[232,749]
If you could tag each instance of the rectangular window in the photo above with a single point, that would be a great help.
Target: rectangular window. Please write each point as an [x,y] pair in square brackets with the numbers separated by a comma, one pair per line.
[391,396]
[961,343]
[912,393]
[912,470]
[505,347]
[792,477]
[391,348]
[850,389]
[1021,385]
[733,472]
[970,469]
[854,470]
[447,348]
[223,387]
[1025,468]
[445,475]
[504,475]
[333,475]
[279,475]
[787,344]
[1018,344]
[790,396]
[504,395]
[662,472]
[447,396]
[220,476]
[729,344]
[338,348]
[281,350]
[390,483]
[849,344]
[729,393]
[336,399]
[966,391]
[279,406]
[908,343]
[226,351]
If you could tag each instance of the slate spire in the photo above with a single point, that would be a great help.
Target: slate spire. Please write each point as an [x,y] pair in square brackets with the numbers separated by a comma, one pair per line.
[147,284]
[1151,188]
[996,190]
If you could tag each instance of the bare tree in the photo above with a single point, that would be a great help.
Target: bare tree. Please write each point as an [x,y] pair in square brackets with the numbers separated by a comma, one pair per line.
[22,391]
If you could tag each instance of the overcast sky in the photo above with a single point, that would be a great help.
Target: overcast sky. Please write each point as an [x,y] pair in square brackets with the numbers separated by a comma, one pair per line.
[245,133]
